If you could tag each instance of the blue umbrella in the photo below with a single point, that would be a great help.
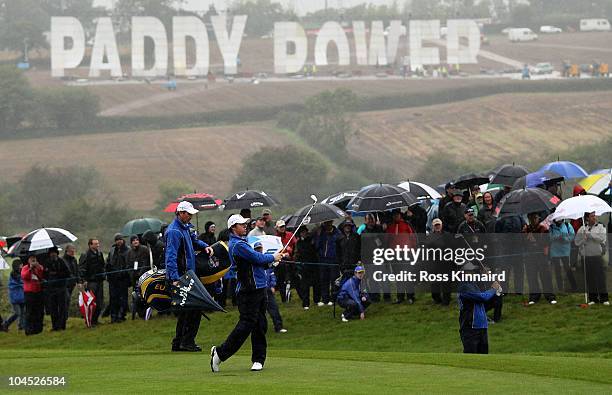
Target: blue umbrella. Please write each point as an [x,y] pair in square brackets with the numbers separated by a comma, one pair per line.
[565,169]
[535,179]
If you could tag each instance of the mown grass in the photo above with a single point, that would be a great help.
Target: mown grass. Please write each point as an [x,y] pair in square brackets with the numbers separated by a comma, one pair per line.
[397,349]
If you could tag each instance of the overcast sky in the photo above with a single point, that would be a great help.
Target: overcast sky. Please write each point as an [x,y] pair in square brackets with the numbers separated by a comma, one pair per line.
[300,6]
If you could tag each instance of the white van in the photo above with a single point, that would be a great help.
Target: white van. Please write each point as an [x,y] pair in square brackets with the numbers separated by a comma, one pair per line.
[521,34]
[594,25]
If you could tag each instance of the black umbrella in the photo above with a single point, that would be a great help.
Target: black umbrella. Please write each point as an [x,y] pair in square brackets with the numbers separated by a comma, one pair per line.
[507,174]
[321,212]
[249,199]
[190,294]
[532,180]
[467,180]
[528,200]
[341,199]
[381,197]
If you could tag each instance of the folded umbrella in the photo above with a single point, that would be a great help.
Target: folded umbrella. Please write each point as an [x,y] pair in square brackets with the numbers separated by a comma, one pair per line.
[321,212]
[525,201]
[190,294]
[340,199]
[248,199]
[565,169]
[87,306]
[535,179]
[380,197]
[420,190]
[507,174]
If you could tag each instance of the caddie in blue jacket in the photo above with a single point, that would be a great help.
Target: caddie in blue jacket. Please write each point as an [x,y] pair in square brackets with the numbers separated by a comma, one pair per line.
[251,296]
[473,316]
[181,244]
[351,298]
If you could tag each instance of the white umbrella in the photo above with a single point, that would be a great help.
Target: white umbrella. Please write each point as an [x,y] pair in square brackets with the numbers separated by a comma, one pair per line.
[420,190]
[574,208]
[3,264]
[41,239]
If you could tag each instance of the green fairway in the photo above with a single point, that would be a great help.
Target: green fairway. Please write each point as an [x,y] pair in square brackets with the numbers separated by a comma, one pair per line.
[397,349]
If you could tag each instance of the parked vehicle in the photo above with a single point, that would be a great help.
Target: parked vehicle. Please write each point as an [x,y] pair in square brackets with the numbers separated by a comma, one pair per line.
[594,25]
[550,29]
[543,68]
[522,34]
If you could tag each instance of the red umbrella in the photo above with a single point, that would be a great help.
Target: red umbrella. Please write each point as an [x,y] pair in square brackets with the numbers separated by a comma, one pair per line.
[87,305]
[201,201]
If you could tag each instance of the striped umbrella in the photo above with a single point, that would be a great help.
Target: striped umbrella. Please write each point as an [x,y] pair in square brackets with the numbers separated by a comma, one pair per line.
[596,183]
[420,190]
[42,239]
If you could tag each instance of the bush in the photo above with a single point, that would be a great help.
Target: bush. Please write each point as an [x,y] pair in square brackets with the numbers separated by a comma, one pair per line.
[16,98]
[288,173]
[289,120]
[68,108]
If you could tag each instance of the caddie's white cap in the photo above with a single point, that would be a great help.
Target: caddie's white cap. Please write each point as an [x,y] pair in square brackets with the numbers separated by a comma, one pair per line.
[236,219]
[186,206]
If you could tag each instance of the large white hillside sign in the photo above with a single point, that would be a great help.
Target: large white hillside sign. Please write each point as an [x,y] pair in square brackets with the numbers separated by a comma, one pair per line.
[291,49]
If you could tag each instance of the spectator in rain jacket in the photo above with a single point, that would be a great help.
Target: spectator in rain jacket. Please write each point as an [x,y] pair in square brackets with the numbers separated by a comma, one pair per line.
[348,248]
[32,275]
[453,213]
[325,241]
[561,237]
[351,298]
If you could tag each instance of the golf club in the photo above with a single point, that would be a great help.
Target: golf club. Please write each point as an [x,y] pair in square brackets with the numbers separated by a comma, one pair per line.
[314,201]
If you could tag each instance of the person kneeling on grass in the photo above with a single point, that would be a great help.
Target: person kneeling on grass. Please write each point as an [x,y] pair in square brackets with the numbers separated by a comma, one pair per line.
[351,298]
[472,315]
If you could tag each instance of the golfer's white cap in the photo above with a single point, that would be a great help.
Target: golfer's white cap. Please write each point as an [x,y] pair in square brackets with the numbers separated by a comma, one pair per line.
[186,206]
[236,219]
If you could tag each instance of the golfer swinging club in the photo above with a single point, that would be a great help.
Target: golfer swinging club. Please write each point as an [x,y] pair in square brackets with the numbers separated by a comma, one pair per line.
[251,297]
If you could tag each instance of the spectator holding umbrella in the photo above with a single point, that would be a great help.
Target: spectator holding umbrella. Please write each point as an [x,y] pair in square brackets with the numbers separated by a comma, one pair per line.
[56,273]
[452,213]
[486,213]
[348,248]
[591,239]
[208,236]
[537,266]
[118,279]
[325,242]
[561,237]
[91,272]
[16,297]
[32,274]
[305,251]
[401,233]
[73,266]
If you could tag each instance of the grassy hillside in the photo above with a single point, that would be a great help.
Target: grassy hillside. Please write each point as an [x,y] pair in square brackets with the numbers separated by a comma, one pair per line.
[399,348]
[135,164]
[521,128]
[518,128]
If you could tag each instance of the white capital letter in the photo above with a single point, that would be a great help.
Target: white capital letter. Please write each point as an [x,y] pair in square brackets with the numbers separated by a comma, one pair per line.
[190,26]
[462,28]
[332,31]
[419,31]
[105,44]
[229,44]
[144,26]
[284,33]
[62,58]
